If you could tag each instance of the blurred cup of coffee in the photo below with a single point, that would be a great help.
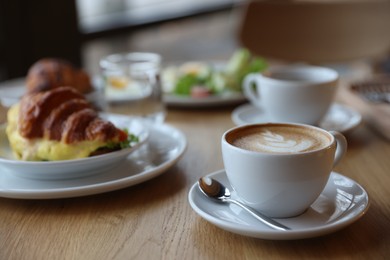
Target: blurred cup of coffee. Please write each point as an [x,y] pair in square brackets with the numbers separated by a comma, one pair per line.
[293,93]
[280,169]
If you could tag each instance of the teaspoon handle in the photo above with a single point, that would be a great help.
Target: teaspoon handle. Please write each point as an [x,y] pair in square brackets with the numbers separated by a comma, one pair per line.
[264,219]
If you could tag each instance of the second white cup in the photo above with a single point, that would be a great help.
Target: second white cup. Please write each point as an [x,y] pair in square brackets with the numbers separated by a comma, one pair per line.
[296,93]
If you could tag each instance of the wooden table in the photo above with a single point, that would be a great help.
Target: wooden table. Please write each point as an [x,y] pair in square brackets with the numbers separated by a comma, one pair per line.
[154,220]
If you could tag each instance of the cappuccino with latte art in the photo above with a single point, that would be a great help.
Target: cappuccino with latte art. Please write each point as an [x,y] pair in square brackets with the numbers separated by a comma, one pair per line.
[280,169]
[279,139]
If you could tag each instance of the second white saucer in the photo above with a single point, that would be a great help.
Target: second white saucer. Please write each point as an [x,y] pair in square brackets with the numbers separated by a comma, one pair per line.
[339,117]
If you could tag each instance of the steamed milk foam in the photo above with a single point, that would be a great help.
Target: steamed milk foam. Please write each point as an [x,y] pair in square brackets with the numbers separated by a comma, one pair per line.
[279,138]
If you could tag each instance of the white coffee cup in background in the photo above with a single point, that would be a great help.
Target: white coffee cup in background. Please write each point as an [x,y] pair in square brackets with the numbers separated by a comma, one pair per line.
[280,169]
[293,93]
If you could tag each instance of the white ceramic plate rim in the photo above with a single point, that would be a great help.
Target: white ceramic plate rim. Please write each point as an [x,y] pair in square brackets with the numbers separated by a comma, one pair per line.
[91,185]
[241,113]
[197,202]
[12,90]
[229,98]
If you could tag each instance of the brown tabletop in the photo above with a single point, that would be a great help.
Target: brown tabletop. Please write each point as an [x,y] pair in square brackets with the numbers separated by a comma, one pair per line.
[153,220]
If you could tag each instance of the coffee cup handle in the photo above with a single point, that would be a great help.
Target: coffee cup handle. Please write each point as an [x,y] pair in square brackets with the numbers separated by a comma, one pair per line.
[341,147]
[249,91]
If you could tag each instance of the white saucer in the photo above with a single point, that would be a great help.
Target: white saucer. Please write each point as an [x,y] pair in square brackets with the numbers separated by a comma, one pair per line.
[339,117]
[342,202]
[163,149]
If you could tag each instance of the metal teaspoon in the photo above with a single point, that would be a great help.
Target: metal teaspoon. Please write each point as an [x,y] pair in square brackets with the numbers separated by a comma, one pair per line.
[215,190]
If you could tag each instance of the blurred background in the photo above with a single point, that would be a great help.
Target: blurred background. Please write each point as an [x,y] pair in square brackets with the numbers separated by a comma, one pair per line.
[83,31]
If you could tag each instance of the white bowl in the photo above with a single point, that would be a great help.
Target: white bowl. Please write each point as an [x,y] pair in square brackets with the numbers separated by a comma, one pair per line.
[72,168]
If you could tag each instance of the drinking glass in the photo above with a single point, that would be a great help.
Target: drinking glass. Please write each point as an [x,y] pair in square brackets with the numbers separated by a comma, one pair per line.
[133,86]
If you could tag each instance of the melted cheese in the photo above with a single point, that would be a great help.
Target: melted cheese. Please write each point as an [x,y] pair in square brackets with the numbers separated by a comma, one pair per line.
[40,149]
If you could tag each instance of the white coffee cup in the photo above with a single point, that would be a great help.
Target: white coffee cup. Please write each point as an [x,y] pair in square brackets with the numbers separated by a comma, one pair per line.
[294,93]
[280,169]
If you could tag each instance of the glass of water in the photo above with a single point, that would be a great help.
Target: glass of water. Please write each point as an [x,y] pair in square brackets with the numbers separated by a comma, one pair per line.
[133,86]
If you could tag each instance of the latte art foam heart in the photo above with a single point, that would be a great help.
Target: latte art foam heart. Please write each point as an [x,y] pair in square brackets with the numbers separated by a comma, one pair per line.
[277,143]
[279,139]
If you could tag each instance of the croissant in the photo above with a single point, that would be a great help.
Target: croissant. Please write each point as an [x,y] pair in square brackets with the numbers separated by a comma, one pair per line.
[49,73]
[58,124]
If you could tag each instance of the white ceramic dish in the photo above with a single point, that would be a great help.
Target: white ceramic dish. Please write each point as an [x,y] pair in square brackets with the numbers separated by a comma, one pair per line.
[339,117]
[210,101]
[342,202]
[12,90]
[164,148]
[72,168]
[225,99]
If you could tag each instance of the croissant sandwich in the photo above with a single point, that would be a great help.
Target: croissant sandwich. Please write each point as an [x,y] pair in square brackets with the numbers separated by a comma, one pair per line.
[60,124]
[50,73]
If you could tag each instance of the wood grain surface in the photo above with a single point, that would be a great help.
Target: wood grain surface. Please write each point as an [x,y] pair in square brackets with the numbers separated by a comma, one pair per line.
[153,220]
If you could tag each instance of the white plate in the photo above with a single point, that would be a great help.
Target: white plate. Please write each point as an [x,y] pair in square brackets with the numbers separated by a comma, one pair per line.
[210,101]
[339,117]
[12,90]
[342,202]
[72,168]
[164,148]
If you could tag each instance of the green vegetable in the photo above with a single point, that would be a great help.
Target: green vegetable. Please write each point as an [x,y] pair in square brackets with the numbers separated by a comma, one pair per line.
[129,142]
[186,82]
[241,64]
[238,62]
[219,80]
